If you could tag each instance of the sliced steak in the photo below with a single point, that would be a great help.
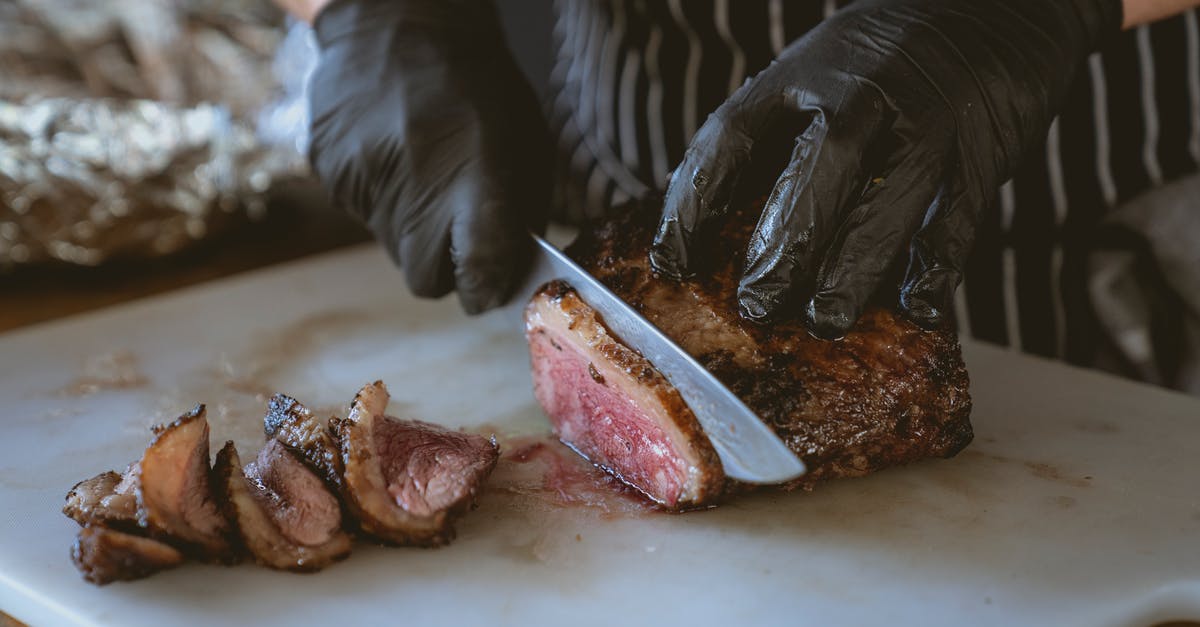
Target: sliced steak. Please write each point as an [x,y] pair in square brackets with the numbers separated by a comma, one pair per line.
[283,513]
[405,480]
[174,499]
[108,500]
[612,406]
[293,425]
[888,393]
[106,555]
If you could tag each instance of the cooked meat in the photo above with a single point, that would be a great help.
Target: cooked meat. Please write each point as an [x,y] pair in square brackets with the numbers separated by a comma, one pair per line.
[105,555]
[613,407]
[295,427]
[282,512]
[108,500]
[174,499]
[404,480]
[887,394]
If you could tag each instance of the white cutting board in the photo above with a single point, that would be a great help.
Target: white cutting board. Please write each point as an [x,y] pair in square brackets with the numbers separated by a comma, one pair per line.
[1077,504]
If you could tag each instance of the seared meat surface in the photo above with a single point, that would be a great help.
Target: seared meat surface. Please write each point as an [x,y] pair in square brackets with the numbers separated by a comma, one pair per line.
[405,481]
[283,513]
[399,481]
[294,426]
[888,393]
[106,555]
[174,499]
[108,499]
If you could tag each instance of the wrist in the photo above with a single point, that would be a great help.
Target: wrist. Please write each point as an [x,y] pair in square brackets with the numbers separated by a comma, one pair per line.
[304,10]
[1139,12]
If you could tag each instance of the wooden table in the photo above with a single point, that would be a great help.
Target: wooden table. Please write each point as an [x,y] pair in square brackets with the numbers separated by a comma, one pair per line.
[298,224]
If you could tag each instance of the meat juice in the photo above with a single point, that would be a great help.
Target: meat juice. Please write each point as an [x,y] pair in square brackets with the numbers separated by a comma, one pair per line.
[547,470]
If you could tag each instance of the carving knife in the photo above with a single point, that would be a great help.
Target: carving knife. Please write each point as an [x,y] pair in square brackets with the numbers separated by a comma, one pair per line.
[749,450]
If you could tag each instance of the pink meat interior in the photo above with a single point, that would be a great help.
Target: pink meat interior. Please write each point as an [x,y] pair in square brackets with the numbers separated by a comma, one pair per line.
[427,468]
[599,412]
[295,498]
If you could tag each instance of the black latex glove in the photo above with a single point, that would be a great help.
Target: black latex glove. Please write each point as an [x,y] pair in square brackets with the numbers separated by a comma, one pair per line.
[908,115]
[423,125]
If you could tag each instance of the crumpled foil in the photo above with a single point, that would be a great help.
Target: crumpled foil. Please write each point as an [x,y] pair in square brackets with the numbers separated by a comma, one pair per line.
[126,127]
[85,180]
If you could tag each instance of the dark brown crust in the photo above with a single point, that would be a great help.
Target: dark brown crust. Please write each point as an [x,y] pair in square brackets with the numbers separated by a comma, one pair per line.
[889,393]
[712,477]
[105,555]
[160,536]
[297,429]
[257,534]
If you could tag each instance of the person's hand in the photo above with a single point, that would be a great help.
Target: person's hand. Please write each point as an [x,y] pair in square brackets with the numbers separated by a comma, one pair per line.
[423,125]
[907,116]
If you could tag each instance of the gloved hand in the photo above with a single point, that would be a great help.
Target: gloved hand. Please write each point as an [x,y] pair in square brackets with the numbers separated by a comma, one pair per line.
[911,114]
[423,125]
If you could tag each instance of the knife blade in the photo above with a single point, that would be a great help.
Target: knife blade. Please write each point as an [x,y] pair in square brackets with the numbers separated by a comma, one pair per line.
[749,450]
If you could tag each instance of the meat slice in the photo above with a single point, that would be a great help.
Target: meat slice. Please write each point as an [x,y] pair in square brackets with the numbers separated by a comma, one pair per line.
[108,499]
[106,555]
[405,480]
[173,495]
[613,407]
[888,393]
[282,512]
[294,426]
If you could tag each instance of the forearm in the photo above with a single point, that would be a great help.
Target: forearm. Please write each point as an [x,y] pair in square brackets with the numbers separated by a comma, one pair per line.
[302,9]
[1138,12]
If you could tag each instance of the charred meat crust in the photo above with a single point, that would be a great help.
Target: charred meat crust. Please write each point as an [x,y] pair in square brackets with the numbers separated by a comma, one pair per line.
[889,393]
[366,489]
[106,555]
[710,479]
[105,500]
[287,508]
[174,498]
[257,533]
[294,426]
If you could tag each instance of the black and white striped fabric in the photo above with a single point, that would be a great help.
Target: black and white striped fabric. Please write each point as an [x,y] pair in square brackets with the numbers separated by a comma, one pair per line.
[634,79]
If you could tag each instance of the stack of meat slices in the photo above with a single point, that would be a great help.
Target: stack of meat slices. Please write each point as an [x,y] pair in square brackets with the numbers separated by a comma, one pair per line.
[293,507]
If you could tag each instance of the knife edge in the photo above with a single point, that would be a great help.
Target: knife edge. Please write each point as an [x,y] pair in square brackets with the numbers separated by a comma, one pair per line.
[748,449]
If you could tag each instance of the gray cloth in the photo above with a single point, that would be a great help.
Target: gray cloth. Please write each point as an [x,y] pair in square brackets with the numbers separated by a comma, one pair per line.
[1144,282]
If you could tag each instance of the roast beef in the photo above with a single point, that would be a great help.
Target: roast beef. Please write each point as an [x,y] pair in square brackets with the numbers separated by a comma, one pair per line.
[405,481]
[106,555]
[292,424]
[174,498]
[282,512]
[888,393]
[108,500]
[398,481]
[613,407]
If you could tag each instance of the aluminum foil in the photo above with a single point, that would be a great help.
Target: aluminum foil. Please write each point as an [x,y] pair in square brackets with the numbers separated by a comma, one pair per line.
[126,127]
[85,180]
